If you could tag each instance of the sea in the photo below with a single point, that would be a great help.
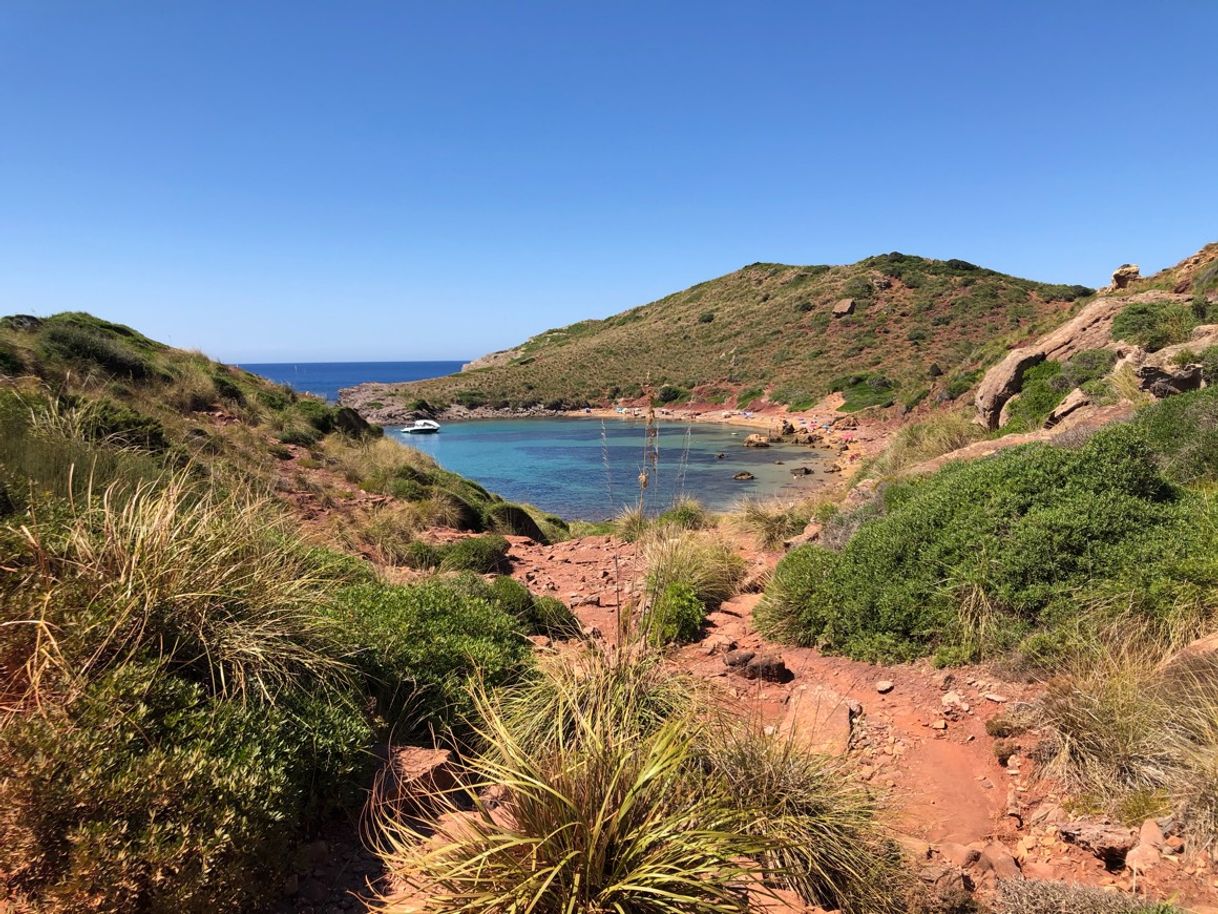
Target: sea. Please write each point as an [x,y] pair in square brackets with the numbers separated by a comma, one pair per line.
[576,467]
[326,379]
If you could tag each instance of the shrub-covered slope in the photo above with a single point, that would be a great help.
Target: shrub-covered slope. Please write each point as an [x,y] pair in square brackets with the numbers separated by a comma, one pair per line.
[1037,545]
[190,686]
[769,330]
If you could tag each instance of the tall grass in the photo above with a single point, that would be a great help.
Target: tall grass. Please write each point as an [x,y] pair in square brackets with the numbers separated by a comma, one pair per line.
[594,823]
[214,581]
[704,561]
[820,827]
[1136,730]
[922,441]
[772,521]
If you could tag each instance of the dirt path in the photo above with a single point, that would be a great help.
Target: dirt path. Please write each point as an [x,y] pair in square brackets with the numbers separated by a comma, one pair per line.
[918,734]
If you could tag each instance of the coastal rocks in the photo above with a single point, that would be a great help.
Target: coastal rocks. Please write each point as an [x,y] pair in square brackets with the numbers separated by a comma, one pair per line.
[1125,274]
[843,308]
[1074,401]
[801,471]
[757,440]
[744,476]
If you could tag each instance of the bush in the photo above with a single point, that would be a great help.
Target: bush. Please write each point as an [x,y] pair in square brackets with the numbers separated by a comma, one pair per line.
[986,551]
[420,646]
[675,616]
[1153,325]
[706,317]
[482,554]
[670,394]
[686,513]
[11,362]
[771,522]
[1045,385]
[90,347]
[149,794]
[1183,433]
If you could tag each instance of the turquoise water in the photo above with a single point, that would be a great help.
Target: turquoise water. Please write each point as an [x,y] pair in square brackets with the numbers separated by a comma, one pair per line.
[583,468]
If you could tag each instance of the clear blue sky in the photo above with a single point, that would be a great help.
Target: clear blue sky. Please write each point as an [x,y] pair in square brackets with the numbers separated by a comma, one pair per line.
[395,180]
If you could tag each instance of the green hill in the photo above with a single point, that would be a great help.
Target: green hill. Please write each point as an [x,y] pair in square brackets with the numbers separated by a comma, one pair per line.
[768,330]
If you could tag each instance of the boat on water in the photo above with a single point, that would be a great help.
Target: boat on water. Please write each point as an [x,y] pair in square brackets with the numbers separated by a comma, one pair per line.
[421,427]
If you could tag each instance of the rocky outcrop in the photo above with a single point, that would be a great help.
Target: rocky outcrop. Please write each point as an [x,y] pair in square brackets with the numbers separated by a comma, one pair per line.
[1091,328]
[844,307]
[1074,401]
[1168,380]
[757,440]
[1002,382]
[1124,275]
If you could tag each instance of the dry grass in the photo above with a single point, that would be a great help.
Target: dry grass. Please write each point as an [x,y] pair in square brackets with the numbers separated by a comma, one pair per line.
[772,521]
[914,444]
[213,580]
[1136,729]
[703,560]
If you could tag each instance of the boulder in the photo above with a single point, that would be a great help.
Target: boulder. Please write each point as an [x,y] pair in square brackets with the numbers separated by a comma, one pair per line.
[843,307]
[1074,401]
[787,428]
[757,440]
[998,860]
[353,425]
[744,476]
[1142,858]
[738,658]
[884,686]
[1108,842]
[411,776]
[768,667]
[1002,382]
[1125,274]
[818,719]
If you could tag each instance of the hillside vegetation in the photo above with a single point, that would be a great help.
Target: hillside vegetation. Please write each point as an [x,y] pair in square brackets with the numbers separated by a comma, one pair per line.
[768,332]
[192,684]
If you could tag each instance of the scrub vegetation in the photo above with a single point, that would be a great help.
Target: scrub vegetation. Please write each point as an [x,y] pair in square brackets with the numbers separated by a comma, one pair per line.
[767,332]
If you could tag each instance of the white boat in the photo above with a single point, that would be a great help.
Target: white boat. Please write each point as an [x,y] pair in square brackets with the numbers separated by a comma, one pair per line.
[421,427]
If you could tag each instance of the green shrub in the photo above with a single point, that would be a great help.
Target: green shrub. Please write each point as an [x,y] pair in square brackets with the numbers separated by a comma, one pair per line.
[420,645]
[148,794]
[1183,432]
[91,348]
[421,555]
[676,615]
[1045,385]
[980,553]
[863,390]
[11,362]
[483,554]
[1154,324]
[706,317]
[122,426]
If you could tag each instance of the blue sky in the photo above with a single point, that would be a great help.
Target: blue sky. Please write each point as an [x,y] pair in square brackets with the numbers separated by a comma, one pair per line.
[395,180]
